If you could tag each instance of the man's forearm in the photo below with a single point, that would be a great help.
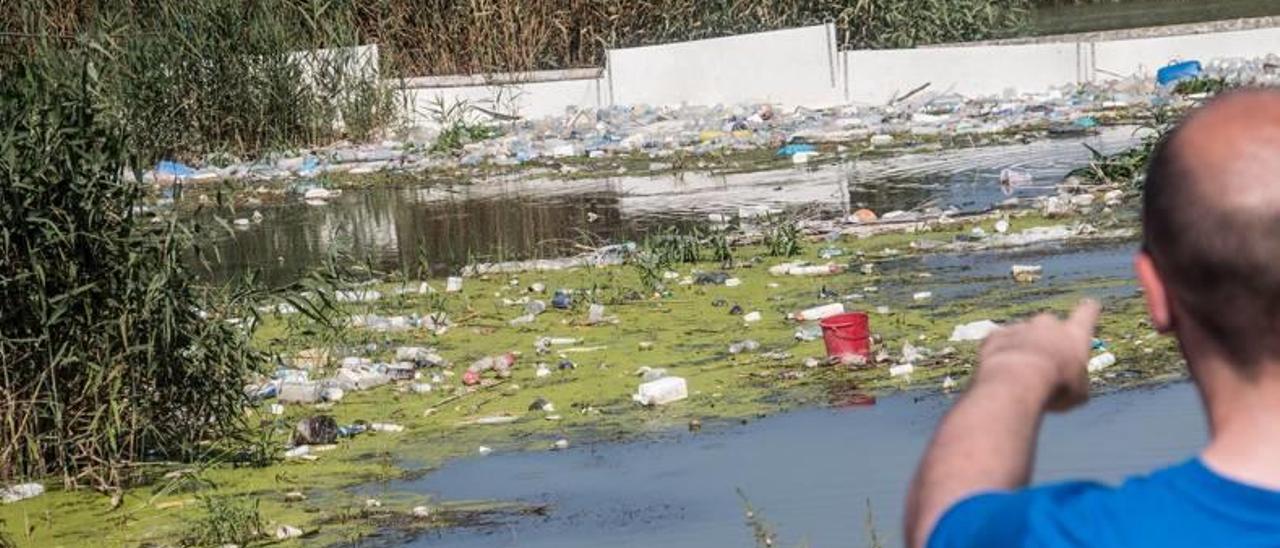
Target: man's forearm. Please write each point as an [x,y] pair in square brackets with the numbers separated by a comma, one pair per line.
[986,442]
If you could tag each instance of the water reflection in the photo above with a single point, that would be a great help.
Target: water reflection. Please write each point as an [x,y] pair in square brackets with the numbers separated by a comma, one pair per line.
[441,228]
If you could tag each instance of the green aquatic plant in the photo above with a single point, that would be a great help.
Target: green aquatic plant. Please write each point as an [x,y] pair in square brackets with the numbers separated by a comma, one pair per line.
[649,268]
[1204,84]
[1128,167]
[224,520]
[457,126]
[673,245]
[782,237]
[721,248]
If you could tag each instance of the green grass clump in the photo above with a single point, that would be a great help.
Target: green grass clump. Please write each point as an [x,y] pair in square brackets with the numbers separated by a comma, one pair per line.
[225,520]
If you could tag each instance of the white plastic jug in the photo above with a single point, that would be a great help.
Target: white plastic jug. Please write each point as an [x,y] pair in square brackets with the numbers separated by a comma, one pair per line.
[662,391]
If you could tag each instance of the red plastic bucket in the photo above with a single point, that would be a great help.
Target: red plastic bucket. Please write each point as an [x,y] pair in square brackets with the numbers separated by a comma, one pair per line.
[847,336]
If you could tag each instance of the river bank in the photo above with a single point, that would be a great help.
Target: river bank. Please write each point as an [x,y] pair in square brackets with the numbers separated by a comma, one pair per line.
[686,330]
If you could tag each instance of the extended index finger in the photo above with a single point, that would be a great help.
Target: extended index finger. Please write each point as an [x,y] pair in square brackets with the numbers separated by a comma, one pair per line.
[1085,316]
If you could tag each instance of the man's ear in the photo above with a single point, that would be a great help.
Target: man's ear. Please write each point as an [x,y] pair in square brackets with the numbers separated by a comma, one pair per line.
[1156,292]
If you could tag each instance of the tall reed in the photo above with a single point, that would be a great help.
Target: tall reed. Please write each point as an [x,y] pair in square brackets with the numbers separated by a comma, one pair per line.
[425,37]
[451,37]
[110,355]
[219,76]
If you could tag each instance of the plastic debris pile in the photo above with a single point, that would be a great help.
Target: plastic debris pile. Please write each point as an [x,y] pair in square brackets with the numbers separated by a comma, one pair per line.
[662,132]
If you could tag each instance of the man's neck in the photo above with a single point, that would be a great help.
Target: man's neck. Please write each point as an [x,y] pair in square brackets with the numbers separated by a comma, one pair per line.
[1243,421]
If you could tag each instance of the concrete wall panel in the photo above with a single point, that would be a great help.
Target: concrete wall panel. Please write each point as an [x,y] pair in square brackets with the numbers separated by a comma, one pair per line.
[876,76]
[531,100]
[790,67]
[1143,56]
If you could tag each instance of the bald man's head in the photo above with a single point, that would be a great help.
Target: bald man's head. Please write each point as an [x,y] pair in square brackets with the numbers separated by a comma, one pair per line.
[1211,222]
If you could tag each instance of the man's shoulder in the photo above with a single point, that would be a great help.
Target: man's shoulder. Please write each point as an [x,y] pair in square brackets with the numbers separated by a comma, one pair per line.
[1072,513]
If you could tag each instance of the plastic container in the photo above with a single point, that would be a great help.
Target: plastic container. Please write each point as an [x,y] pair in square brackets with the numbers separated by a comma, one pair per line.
[1174,72]
[662,391]
[299,392]
[453,284]
[817,270]
[1101,361]
[818,312]
[973,331]
[847,336]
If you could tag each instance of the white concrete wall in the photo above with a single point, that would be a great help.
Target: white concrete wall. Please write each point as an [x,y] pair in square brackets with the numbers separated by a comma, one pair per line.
[789,67]
[876,76]
[530,100]
[1144,56]
[802,67]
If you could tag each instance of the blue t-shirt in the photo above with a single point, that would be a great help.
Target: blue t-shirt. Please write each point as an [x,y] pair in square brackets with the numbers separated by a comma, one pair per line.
[1185,505]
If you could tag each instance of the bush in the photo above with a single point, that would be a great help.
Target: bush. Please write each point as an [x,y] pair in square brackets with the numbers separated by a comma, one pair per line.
[110,353]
